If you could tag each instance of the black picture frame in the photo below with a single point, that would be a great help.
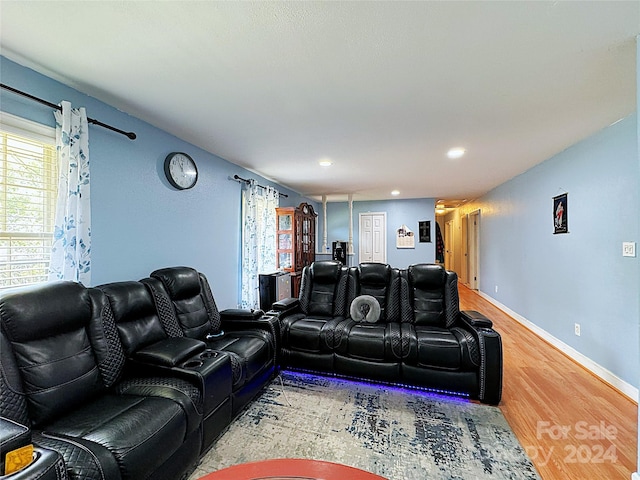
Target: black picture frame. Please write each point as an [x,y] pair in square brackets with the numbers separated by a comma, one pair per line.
[560,214]
[424,231]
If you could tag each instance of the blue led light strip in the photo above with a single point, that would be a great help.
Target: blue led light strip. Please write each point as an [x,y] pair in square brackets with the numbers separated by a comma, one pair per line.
[395,385]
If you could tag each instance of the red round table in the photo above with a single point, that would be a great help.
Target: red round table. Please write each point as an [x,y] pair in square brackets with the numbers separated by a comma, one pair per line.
[291,469]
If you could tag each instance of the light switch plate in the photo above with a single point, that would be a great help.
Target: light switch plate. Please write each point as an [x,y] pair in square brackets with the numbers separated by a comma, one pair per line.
[628,249]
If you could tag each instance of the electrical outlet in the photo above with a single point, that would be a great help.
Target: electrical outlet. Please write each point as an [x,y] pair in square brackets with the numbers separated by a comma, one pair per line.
[496,288]
[576,328]
[628,249]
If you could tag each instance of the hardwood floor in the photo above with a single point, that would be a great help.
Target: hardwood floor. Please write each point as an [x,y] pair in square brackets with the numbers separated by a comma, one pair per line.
[572,424]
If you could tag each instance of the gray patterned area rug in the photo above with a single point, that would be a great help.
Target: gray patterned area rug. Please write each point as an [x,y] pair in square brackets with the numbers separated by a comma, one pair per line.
[396,433]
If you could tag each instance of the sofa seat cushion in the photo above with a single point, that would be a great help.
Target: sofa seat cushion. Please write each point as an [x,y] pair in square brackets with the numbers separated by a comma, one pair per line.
[435,347]
[141,433]
[306,334]
[313,333]
[250,354]
[368,341]
[181,391]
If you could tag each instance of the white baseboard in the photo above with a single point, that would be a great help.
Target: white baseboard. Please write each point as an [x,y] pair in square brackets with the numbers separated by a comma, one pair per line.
[597,369]
[635,476]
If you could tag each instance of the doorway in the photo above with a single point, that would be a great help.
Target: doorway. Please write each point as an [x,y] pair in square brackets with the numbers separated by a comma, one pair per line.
[464,249]
[372,237]
[473,229]
[448,245]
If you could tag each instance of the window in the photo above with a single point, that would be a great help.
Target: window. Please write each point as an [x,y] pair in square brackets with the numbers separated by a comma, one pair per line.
[28,191]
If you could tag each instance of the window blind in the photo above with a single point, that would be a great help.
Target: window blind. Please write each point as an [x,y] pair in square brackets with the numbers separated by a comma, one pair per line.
[28,191]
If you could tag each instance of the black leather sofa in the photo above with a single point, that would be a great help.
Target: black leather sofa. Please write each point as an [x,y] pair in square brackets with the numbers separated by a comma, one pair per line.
[136,379]
[420,336]
[115,382]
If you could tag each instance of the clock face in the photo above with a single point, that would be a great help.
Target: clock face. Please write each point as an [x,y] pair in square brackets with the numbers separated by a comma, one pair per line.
[180,170]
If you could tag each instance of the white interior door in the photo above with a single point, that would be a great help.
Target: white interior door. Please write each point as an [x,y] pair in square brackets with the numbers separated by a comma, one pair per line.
[464,261]
[473,244]
[373,237]
[448,245]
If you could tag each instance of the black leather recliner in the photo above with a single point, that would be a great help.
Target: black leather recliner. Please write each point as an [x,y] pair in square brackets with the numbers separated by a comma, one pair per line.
[154,343]
[367,348]
[448,349]
[249,338]
[309,329]
[62,373]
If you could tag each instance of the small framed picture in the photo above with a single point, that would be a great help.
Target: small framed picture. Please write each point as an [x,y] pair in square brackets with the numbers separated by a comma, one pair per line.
[424,228]
[560,214]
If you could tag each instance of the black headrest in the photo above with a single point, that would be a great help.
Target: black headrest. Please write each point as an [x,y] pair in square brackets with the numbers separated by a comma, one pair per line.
[180,282]
[427,275]
[43,310]
[326,271]
[129,300]
[374,273]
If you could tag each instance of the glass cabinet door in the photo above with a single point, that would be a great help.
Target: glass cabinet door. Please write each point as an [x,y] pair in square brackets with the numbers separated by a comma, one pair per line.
[285,241]
[285,221]
[284,259]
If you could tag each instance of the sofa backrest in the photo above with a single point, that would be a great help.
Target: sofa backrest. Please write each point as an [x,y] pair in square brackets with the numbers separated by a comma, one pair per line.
[135,315]
[59,346]
[380,281]
[192,299]
[432,295]
[323,289]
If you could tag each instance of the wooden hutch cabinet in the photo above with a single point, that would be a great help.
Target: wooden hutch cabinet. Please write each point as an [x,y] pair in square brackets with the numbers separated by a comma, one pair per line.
[296,241]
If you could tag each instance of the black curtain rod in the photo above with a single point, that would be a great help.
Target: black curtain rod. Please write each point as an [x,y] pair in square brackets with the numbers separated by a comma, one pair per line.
[245,180]
[93,121]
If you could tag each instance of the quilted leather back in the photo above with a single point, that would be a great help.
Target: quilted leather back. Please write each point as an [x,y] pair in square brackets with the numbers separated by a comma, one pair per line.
[13,401]
[382,282]
[323,289]
[433,295]
[135,314]
[192,300]
[48,327]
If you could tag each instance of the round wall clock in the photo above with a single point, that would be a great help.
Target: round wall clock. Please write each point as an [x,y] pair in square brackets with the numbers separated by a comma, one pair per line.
[180,170]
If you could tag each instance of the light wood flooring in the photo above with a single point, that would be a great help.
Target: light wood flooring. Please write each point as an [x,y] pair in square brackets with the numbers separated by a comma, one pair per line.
[572,424]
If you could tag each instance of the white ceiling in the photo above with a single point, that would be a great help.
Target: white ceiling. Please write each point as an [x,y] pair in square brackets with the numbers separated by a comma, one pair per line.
[383,89]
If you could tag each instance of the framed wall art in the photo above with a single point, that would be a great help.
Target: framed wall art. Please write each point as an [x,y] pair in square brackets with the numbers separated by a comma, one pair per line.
[560,214]
[424,229]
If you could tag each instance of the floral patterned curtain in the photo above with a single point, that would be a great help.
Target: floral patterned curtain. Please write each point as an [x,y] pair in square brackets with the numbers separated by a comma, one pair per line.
[71,249]
[258,239]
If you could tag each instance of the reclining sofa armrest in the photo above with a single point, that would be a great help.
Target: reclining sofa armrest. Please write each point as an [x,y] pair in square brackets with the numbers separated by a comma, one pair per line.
[476,319]
[240,314]
[285,307]
[490,346]
[169,352]
[245,319]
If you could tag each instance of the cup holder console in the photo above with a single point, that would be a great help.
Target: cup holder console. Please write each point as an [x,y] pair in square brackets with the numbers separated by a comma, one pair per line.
[198,361]
[193,364]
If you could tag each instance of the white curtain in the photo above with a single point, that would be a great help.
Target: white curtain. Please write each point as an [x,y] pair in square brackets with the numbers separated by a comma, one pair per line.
[71,249]
[258,238]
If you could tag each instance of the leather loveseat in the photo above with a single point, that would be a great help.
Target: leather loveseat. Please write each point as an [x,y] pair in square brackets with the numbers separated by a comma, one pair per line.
[420,337]
[110,383]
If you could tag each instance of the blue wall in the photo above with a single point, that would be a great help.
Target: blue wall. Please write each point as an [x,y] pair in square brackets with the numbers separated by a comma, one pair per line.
[399,212]
[581,277]
[139,222]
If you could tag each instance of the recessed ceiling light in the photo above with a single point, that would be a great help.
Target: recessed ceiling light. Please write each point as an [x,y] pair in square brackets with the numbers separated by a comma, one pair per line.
[395,193]
[325,162]
[456,152]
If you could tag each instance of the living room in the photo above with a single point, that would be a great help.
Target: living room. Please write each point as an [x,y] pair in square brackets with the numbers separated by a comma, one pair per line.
[547,282]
